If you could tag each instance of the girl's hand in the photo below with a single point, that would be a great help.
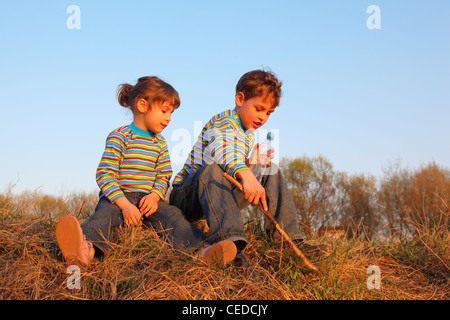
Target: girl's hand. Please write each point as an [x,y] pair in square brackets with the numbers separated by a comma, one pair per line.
[131,215]
[149,204]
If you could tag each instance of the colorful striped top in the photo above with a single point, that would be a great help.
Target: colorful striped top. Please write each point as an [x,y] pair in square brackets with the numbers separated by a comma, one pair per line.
[223,140]
[134,160]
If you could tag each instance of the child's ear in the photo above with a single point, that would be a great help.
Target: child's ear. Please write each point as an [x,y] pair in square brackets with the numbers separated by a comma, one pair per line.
[142,105]
[239,99]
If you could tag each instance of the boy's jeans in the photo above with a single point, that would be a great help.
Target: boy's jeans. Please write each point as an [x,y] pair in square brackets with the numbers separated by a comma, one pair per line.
[207,193]
[167,220]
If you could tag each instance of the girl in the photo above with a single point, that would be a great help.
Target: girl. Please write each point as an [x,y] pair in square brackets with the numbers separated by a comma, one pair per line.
[133,176]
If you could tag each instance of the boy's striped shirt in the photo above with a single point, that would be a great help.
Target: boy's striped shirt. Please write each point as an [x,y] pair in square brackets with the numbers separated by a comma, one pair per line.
[134,160]
[223,140]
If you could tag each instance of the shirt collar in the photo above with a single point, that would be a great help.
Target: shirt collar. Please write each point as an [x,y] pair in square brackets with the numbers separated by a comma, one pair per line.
[141,132]
[235,116]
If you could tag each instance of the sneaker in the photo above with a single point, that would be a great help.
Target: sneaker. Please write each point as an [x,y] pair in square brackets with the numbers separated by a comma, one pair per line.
[241,263]
[221,253]
[312,249]
[74,247]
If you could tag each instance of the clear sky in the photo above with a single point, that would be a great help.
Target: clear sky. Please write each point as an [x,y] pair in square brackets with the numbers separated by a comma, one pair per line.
[361,97]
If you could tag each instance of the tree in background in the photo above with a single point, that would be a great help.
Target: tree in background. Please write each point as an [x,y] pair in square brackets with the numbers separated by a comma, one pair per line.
[358,204]
[312,183]
[400,201]
[408,198]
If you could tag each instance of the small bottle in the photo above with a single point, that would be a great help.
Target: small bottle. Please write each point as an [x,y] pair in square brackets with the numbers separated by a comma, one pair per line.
[264,157]
[264,148]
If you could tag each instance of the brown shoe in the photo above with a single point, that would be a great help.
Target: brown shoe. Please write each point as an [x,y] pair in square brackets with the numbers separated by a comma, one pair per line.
[71,241]
[221,253]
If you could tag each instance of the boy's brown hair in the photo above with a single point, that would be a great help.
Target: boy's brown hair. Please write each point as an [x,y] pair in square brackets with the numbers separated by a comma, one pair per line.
[260,83]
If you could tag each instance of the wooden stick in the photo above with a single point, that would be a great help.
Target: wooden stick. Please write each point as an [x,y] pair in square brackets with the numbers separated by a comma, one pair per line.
[277,226]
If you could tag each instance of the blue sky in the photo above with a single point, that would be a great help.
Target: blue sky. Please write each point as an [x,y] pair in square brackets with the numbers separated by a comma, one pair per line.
[361,97]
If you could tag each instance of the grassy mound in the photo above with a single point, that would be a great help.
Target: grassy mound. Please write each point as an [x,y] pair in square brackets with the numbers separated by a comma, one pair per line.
[141,266]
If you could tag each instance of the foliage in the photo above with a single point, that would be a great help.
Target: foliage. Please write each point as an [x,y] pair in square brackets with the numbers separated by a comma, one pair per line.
[312,183]
[387,207]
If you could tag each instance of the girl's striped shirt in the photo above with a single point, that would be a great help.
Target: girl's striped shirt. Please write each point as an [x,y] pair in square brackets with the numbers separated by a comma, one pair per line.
[134,160]
[223,140]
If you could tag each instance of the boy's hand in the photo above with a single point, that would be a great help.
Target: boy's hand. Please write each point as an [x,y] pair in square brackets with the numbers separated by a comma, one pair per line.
[253,190]
[261,158]
[149,204]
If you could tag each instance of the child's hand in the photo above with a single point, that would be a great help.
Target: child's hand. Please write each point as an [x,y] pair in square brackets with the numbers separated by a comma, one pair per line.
[149,204]
[261,158]
[131,215]
[253,190]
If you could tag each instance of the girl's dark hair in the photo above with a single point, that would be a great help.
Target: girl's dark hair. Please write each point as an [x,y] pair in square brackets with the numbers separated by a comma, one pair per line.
[260,83]
[152,89]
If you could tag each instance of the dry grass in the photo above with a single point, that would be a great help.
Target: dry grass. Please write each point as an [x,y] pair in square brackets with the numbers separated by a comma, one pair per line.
[141,266]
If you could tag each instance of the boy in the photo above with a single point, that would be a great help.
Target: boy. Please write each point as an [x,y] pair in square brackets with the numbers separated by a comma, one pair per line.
[200,189]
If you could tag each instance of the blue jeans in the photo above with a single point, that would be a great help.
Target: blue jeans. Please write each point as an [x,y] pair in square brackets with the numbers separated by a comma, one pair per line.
[168,221]
[206,193]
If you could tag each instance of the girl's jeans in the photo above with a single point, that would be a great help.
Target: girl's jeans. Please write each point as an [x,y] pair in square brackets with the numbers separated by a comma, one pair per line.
[167,220]
[206,193]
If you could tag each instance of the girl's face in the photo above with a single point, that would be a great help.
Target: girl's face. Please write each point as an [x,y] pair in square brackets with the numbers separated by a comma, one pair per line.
[153,118]
[254,112]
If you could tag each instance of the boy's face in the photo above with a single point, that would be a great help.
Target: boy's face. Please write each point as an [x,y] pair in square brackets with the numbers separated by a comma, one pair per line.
[254,112]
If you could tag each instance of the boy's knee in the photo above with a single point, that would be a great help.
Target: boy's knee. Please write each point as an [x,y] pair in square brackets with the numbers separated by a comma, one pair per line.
[212,171]
[273,171]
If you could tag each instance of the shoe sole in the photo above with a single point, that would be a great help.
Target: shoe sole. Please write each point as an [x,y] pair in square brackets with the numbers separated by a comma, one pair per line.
[70,240]
[221,253]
